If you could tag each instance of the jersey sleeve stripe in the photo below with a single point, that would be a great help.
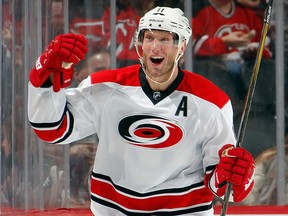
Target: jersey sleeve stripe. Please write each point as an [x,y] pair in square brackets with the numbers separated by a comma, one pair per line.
[163,202]
[210,169]
[55,132]
[49,124]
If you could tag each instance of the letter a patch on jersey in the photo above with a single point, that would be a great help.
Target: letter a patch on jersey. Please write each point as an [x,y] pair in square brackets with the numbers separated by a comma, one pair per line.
[182,107]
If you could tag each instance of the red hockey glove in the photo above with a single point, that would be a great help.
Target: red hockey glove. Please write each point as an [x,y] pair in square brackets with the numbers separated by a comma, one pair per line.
[236,166]
[64,51]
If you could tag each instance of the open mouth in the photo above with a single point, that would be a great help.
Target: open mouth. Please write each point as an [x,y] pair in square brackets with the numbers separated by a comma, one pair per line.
[156,60]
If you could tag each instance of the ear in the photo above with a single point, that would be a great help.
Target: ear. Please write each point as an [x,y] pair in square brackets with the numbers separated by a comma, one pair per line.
[183,47]
[182,50]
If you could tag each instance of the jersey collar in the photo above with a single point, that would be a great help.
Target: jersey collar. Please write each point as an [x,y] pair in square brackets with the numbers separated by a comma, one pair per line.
[157,96]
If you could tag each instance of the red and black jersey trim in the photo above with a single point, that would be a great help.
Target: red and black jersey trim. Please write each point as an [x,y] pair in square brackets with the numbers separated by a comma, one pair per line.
[210,168]
[55,132]
[173,201]
[164,213]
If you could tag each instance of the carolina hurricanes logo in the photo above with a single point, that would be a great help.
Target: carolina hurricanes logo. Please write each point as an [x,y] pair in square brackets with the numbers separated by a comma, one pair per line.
[150,131]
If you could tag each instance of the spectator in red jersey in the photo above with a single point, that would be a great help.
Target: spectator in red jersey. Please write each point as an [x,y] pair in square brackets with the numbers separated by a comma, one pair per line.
[97,31]
[225,42]
[89,23]
[127,19]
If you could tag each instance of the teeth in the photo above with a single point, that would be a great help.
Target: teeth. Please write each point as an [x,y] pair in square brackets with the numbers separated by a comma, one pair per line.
[157,57]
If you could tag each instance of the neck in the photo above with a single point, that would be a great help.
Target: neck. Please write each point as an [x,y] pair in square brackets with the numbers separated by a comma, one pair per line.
[162,86]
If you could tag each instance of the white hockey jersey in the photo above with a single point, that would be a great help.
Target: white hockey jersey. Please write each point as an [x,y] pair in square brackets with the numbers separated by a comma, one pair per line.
[155,148]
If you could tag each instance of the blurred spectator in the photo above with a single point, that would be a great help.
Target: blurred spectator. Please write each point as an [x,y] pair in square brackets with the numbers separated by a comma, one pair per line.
[97,30]
[81,163]
[85,20]
[6,30]
[264,191]
[144,6]
[226,36]
[92,9]
[12,176]
[127,18]
[53,22]
[6,70]
[7,37]
[100,60]
[56,22]
[80,72]
[6,161]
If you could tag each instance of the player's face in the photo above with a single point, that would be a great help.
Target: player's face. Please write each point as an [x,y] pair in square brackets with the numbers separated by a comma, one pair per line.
[159,52]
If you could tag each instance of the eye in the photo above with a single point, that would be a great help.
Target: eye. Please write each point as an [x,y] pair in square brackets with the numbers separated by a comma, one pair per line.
[166,41]
[148,38]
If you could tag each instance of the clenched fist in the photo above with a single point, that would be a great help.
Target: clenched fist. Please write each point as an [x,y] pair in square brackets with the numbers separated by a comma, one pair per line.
[236,166]
[58,59]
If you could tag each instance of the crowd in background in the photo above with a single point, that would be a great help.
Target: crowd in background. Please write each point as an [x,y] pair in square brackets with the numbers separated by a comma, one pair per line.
[216,55]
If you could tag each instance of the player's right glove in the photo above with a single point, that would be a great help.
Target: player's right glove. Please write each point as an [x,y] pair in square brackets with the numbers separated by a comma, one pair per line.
[58,59]
[236,166]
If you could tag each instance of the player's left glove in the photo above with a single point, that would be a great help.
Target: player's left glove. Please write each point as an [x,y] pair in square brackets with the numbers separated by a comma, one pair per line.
[236,166]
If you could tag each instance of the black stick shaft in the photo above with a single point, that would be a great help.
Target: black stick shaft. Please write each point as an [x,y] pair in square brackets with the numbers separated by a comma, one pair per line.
[249,97]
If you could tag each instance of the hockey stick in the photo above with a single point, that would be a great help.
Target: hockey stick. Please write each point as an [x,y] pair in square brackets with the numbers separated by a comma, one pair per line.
[249,97]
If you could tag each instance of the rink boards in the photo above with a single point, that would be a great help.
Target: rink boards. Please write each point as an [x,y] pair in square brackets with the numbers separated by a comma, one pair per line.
[232,211]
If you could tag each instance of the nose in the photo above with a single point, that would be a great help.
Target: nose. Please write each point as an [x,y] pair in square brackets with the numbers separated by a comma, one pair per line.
[155,45]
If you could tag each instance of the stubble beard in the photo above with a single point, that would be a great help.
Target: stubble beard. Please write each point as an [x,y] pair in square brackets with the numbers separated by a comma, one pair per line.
[160,74]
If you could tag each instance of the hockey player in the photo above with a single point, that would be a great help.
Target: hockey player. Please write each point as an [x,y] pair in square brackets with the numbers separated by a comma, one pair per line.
[166,139]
